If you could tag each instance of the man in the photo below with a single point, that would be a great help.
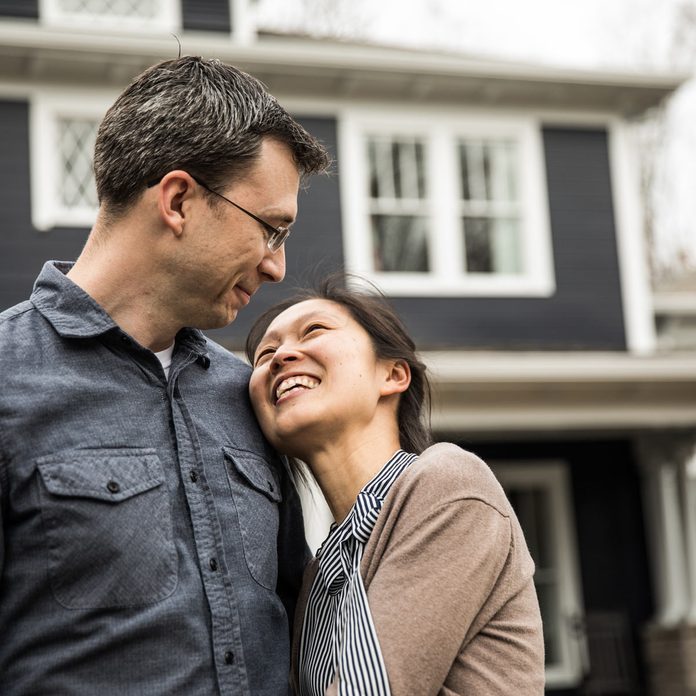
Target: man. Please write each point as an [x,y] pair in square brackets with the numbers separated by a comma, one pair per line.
[151,542]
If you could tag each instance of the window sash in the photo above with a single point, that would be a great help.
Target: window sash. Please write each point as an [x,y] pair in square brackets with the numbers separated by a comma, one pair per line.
[542,501]
[524,268]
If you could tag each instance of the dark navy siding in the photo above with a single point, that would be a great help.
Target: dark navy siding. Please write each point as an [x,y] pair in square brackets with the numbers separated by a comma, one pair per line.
[315,246]
[609,527]
[23,249]
[27,9]
[205,15]
[585,312]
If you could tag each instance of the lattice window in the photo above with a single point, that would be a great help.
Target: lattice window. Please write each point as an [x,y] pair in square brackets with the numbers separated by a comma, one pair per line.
[142,15]
[144,9]
[63,131]
[76,189]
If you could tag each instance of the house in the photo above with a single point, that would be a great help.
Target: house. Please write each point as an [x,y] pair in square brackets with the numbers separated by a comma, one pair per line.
[498,205]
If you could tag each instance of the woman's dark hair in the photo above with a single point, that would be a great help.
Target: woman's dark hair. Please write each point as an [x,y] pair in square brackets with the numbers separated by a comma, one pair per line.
[389,339]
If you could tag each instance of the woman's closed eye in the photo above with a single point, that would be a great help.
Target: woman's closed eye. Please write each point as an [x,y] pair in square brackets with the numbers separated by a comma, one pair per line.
[313,328]
[264,355]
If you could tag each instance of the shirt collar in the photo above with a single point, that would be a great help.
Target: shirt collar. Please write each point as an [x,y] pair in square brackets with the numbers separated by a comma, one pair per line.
[336,553]
[371,497]
[75,314]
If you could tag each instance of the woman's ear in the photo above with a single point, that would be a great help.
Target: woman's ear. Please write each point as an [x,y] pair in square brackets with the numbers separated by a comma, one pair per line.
[398,377]
[174,188]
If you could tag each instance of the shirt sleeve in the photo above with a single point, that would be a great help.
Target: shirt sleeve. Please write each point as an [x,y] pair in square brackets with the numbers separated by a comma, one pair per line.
[431,586]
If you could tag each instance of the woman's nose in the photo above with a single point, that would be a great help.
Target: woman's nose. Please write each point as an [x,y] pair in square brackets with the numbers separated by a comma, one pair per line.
[283,354]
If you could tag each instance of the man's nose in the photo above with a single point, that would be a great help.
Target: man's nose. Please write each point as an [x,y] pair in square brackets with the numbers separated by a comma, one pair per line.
[272,265]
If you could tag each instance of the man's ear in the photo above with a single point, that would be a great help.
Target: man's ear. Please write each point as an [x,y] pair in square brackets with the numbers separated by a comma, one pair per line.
[174,189]
[398,377]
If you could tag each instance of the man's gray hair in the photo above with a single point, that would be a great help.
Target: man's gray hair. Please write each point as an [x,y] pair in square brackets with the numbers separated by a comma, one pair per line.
[199,115]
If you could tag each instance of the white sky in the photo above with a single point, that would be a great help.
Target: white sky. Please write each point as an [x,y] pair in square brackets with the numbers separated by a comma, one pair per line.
[631,35]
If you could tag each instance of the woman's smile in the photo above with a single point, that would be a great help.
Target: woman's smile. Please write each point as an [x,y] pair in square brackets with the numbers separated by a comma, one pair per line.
[290,386]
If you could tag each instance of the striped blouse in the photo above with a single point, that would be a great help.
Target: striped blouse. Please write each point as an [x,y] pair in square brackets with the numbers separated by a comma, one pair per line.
[338,635]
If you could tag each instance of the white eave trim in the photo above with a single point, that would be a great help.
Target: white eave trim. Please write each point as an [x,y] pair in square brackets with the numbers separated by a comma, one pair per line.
[457,367]
[675,303]
[475,394]
[275,57]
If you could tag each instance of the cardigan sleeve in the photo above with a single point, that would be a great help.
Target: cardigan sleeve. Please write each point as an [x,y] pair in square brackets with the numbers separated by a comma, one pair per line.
[432,583]
[449,582]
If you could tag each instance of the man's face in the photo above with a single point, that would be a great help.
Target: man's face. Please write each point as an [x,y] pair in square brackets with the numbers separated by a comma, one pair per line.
[226,257]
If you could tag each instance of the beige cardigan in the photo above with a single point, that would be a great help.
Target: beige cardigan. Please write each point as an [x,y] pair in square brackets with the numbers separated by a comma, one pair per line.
[449,583]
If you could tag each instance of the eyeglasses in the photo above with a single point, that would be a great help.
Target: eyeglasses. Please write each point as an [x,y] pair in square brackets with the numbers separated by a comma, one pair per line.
[276,236]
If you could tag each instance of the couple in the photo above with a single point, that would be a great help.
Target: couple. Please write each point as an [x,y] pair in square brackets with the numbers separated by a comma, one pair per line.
[151,538]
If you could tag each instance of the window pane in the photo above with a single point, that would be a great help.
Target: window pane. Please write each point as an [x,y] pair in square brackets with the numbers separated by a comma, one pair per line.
[532,507]
[477,245]
[491,245]
[473,171]
[552,620]
[503,180]
[76,147]
[397,168]
[400,243]
[488,170]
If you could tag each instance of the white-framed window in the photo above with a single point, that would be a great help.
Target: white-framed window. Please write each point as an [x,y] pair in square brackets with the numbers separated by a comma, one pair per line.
[154,16]
[540,495]
[446,204]
[63,130]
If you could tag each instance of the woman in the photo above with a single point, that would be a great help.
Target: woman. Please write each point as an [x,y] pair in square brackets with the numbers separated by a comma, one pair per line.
[424,584]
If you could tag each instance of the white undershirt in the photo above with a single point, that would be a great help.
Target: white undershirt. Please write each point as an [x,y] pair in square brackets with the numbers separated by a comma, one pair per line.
[165,357]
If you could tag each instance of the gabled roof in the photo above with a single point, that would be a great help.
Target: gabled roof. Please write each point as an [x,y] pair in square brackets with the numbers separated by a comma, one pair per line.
[306,67]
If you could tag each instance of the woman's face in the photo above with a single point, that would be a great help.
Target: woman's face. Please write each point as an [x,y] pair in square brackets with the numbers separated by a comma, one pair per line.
[316,377]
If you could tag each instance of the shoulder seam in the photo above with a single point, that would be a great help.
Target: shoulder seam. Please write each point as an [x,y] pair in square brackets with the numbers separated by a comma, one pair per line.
[9,314]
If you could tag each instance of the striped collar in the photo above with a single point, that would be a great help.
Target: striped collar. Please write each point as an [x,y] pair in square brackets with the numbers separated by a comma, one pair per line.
[335,553]
[339,640]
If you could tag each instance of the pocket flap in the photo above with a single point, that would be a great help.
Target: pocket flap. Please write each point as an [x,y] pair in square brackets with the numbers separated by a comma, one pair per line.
[256,470]
[104,474]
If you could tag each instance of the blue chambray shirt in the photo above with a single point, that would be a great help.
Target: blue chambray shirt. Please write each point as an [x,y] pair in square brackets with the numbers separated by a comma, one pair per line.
[151,541]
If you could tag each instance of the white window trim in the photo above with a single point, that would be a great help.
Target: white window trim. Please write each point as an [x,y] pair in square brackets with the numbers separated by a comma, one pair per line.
[441,132]
[47,211]
[554,476]
[166,20]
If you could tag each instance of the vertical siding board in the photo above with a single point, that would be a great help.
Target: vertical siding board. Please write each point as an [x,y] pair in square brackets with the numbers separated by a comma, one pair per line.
[25,9]
[206,15]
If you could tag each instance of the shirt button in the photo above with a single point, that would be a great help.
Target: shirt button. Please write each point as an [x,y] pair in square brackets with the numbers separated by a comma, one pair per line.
[194,476]
[213,564]
[113,487]
[229,657]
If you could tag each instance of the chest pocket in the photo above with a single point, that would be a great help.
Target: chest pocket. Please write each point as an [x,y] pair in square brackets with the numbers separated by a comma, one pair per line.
[256,490]
[108,528]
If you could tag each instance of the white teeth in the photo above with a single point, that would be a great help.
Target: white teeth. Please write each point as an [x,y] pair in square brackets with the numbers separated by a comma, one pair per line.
[292,382]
